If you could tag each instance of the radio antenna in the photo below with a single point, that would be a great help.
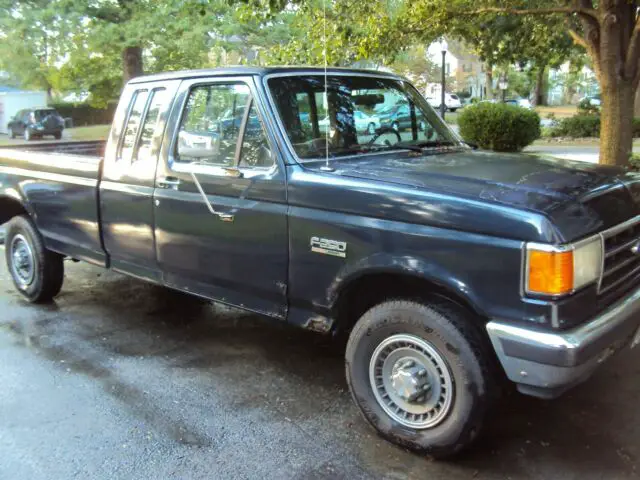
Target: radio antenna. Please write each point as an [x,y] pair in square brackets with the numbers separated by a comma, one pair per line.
[326,167]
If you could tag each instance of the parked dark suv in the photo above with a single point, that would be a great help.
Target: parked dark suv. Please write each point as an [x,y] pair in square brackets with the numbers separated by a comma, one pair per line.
[36,123]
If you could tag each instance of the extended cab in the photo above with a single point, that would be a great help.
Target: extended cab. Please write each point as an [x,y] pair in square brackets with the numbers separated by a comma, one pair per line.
[450,269]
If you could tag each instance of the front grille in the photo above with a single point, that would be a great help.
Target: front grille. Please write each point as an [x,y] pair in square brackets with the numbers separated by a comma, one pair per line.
[621,256]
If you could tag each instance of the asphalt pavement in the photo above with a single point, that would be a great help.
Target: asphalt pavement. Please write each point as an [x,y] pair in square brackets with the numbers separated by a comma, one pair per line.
[120,379]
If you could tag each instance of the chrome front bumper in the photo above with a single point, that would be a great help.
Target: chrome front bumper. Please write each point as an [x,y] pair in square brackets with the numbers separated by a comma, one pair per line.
[545,364]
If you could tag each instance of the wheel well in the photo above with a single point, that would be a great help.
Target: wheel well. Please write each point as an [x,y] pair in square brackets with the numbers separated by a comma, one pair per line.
[362,294]
[9,208]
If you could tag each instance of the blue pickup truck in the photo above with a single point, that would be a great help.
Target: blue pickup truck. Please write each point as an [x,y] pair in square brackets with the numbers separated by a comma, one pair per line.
[449,270]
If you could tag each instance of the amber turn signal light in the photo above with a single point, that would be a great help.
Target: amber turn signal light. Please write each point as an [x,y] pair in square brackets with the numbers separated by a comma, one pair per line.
[550,273]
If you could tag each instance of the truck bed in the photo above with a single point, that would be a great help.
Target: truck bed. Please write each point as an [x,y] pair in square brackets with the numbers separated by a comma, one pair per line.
[94,148]
[59,180]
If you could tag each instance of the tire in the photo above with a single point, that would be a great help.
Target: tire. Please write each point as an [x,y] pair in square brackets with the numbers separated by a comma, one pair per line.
[27,134]
[450,415]
[57,135]
[40,278]
[452,110]
[395,126]
[11,133]
[371,129]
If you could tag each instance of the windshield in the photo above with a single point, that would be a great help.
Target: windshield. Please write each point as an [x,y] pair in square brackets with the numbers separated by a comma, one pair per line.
[358,114]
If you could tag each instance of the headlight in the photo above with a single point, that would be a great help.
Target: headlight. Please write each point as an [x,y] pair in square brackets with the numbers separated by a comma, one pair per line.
[555,271]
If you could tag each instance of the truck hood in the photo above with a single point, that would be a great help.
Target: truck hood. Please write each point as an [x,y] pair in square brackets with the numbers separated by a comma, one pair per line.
[578,197]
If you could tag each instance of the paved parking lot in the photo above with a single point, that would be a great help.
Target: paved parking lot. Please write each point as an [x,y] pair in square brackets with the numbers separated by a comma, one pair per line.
[121,379]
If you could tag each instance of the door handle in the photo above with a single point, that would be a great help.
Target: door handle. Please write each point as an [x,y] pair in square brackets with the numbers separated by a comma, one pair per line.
[169,182]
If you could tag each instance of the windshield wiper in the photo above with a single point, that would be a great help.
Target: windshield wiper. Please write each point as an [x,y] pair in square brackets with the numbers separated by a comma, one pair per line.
[422,145]
[415,147]
[377,147]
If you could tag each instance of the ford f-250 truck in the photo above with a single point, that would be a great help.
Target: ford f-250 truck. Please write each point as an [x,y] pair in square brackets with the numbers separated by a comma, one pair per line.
[449,268]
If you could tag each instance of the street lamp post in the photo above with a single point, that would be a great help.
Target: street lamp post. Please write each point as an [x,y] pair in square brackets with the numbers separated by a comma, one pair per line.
[443,107]
[504,85]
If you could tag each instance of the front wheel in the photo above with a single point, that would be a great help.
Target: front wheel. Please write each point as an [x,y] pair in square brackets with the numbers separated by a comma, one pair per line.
[419,375]
[37,272]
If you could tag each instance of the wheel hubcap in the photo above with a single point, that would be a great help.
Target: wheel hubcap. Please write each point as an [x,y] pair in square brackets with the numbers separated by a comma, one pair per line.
[411,381]
[23,264]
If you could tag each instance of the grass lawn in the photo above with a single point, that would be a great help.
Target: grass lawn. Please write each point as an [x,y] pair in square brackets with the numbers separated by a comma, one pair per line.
[452,117]
[93,132]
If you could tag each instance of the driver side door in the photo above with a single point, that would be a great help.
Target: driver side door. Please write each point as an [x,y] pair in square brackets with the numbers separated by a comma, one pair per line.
[220,199]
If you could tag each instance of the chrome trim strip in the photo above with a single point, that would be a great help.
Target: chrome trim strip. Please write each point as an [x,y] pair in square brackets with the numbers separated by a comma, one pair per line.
[633,272]
[622,226]
[608,234]
[620,248]
[620,265]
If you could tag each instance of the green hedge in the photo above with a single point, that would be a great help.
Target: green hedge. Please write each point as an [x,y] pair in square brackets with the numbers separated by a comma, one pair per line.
[584,125]
[499,126]
[83,114]
[578,126]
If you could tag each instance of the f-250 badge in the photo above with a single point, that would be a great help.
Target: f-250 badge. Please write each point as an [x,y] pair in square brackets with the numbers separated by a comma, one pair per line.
[329,247]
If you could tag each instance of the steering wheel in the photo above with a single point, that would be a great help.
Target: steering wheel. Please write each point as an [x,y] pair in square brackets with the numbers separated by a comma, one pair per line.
[382,130]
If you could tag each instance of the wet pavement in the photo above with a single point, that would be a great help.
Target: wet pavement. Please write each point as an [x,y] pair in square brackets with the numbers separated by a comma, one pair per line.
[122,379]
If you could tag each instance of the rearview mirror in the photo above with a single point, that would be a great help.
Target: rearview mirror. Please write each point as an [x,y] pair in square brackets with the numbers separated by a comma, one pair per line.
[368,100]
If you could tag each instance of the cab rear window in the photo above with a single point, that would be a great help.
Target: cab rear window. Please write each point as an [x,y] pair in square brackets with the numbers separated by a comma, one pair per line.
[42,114]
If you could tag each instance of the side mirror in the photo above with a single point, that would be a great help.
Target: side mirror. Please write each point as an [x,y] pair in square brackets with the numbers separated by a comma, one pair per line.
[232,172]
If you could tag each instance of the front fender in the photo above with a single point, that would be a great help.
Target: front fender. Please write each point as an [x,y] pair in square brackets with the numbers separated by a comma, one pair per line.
[408,265]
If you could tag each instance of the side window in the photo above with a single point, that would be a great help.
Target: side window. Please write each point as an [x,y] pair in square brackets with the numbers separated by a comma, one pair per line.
[255,148]
[158,97]
[133,124]
[210,124]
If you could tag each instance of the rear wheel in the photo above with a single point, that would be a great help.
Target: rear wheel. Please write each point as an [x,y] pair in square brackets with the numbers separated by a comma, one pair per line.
[57,135]
[420,376]
[37,272]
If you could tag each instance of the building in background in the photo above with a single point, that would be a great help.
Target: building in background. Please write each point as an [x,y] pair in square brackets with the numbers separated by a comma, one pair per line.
[567,87]
[12,100]
[464,71]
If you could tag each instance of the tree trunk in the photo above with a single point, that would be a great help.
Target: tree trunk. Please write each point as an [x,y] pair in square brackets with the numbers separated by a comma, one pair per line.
[132,63]
[636,108]
[538,87]
[616,129]
[489,77]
